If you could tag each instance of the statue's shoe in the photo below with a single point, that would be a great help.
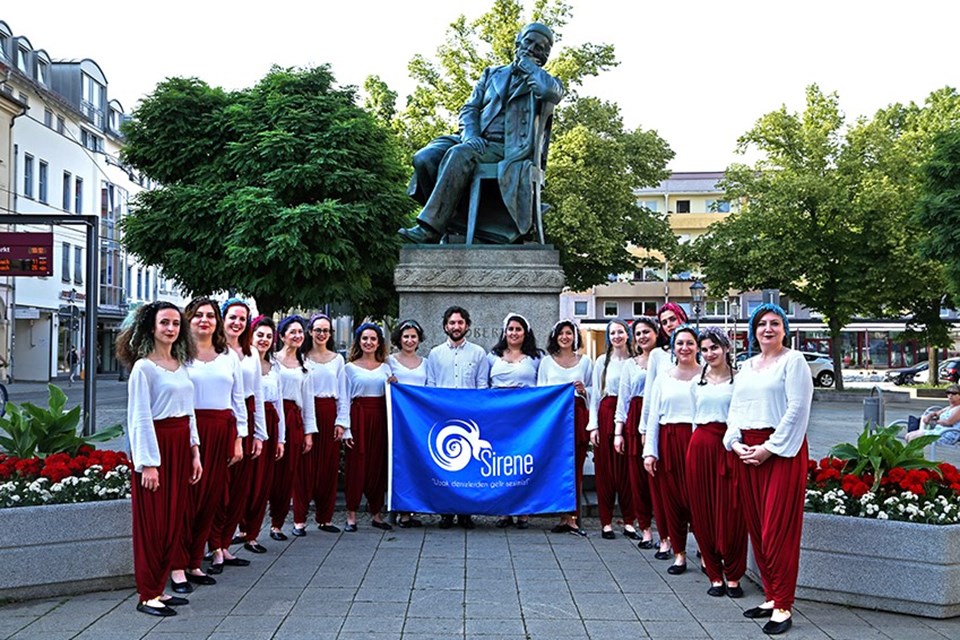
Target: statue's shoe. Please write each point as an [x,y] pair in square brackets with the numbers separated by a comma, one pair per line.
[419,235]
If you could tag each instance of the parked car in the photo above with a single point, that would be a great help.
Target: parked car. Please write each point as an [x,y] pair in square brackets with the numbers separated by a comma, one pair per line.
[948,371]
[905,375]
[821,367]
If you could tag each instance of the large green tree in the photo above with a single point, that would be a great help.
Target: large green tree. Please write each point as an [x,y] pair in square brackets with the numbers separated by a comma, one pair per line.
[595,161]
[826,214]
[287,191]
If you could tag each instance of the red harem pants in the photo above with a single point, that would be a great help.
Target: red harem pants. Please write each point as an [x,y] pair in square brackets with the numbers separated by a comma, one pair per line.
[713,491]
[581,440]
[669,485]
[639,483]
[327,461]
[262,473]
[367,461]
[160,517]
[287,467]
[217,429]
[772,498]
[239,481]
[612,476]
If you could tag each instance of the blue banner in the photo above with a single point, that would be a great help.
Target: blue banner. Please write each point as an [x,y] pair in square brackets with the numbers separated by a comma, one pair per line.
[481,451]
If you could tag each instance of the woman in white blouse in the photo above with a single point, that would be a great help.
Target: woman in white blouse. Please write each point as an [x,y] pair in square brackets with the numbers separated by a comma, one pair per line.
[514,361]
[610,468]
[164,446]
[366,440]
[633,385]
[670,316]
[767,429]
[665,449]
[273,447]
[221,422]
[298,416]
[565,364]
[408,367]
[236,327]
[714,504]
[326,386]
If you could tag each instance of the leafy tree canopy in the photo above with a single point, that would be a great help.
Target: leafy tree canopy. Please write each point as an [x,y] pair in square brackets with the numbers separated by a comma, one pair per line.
[826,212]
[287,191]
[595,161]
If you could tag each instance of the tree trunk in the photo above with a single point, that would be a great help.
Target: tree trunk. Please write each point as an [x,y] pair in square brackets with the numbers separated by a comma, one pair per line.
[835,329]
[933,357]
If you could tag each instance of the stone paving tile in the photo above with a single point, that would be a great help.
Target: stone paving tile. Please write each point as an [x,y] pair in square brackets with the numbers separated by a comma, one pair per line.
[436,627]
[504,627]
[606,629]
[548,628]
[249,624]
[267,601]
[367,624]
[673,630]
[241,635]
[310,626]
[9,626]
[562,610]
[35,633]
[186,622]
[435,604]
[30,608]
[494,610]
[658,607]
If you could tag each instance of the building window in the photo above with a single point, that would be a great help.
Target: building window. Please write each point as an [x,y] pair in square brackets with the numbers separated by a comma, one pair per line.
[718,206]
[66,191]
[78,195]
[28,175]
[92,99]
[65,263]
[139,284]
[610,309]
[48,118]
[61,125]
[22,60]
[42,72]
[78,265]
[580,308]
[91,141]
[715,308]
[42,182]
[652,205]
[683,206]
[644,308]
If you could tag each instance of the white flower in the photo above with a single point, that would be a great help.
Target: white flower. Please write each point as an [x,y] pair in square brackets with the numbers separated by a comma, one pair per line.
[882,516]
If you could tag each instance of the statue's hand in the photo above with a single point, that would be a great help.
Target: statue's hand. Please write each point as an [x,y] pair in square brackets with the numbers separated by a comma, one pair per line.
[478,144]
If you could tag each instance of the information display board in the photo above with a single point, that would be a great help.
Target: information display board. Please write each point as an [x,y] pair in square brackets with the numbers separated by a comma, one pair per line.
[26,254]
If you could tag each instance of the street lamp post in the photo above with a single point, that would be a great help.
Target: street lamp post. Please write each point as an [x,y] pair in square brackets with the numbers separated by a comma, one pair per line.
[735,312]
[697,293]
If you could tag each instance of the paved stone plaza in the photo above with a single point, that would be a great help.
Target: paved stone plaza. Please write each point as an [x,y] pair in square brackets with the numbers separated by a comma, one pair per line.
[486,583]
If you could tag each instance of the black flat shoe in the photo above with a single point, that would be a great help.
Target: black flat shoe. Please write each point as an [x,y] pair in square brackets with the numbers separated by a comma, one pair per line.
[174,601]
[645,544]
[181,587]
[561,528]
[503,523]
[735,592]
[254,547]
[329,528]
[299,532]
[350,528]
[446,522]
[608,535]
[717,591]
[677,569]
[523,524]
[776,628]
[757,612]
[238,540]
[236,562]
[409,523]
[163,612]
[383,526]
[215,569]
[466,522]
[201,580]
[662,555]
[578,532]
[279,536]
[632,535]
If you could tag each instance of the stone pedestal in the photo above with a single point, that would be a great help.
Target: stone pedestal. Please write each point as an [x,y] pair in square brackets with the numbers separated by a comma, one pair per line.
[489,281]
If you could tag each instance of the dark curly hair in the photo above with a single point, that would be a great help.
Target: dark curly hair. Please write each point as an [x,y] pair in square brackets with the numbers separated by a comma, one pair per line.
[397,334]
[529,346]
[219,337]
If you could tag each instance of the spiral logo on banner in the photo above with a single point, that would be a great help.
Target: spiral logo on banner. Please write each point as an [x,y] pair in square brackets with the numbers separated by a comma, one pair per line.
[454,442]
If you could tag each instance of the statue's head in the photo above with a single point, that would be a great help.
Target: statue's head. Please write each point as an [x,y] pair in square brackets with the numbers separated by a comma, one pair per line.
[535,41]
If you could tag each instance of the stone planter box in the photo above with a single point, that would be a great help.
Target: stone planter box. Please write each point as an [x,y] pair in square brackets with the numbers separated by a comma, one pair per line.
[902,567]
[65,549]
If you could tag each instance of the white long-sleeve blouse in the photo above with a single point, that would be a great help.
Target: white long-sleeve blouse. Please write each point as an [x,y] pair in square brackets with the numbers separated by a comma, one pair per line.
[329,380]
[776,397]
[293,386]
[218,385]
[155,393]
[603,387]
[270,383]
[551,373]
[671,402]
[633,382]
[252,385]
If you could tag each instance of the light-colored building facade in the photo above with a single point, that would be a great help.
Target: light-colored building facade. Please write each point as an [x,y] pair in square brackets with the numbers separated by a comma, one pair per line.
[66,161]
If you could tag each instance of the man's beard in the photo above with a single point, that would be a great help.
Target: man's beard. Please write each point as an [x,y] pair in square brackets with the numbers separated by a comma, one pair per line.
[455,334]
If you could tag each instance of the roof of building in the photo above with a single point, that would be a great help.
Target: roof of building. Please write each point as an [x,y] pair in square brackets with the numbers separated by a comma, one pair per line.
[687,182]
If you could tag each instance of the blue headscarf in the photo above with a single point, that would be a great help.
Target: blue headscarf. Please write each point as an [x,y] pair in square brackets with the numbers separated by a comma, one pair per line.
[368,325]
[286,322]
[766,307]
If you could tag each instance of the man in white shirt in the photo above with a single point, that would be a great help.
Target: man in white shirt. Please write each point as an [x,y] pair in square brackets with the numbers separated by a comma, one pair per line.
[457,364]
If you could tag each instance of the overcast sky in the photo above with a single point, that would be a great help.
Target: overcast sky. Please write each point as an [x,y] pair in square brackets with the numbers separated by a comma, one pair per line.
[698,72]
